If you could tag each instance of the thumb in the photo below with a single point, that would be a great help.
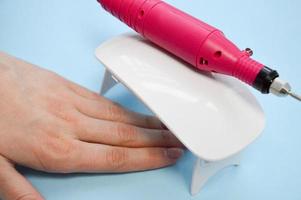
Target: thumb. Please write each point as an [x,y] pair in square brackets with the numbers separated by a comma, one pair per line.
[13,186]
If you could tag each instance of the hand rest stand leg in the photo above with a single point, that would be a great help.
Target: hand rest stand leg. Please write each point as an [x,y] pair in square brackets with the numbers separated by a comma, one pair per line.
[108,82]
[203,170]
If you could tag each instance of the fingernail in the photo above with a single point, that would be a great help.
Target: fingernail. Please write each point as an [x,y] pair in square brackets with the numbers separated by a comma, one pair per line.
[163,126]
[174,153]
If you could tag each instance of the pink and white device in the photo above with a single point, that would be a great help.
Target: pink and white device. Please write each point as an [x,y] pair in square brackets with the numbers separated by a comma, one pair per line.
[196,42]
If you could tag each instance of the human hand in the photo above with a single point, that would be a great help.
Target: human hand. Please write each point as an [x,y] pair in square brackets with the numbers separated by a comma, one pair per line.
[51,124]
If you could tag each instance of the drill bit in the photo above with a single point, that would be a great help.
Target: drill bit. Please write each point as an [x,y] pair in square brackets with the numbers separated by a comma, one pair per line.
[295,96]
[282,88]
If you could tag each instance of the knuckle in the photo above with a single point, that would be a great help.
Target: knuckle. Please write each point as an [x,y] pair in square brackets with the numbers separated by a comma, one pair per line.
[70,118]
[82,91]
[126,134]
[115,111]
[150,121]
[61,109]
[54,154]
[166,136]
[54,104]
[116,158]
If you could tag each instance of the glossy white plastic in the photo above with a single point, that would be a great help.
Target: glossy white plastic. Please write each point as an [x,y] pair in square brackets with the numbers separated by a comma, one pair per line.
[213,115]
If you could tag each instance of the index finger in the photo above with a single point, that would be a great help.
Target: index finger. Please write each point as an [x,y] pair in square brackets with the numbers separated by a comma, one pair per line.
[93,105]
[106,110]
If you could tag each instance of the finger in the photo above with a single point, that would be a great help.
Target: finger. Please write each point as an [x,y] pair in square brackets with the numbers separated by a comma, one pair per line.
[120,134]
[107,110]
[14,185]
[94,105]
[102,158]
[82,91]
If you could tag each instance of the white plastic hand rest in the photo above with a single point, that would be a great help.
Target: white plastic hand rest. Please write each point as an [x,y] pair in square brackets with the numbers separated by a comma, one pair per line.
[214,116]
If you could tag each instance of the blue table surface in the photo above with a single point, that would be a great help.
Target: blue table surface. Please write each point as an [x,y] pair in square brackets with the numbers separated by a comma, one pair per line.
[62,36]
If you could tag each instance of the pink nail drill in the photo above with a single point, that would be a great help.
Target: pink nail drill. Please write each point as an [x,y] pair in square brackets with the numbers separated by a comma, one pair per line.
[196,42]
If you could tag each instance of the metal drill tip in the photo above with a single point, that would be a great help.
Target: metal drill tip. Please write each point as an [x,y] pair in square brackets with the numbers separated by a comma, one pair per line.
[282,88]
[295,96]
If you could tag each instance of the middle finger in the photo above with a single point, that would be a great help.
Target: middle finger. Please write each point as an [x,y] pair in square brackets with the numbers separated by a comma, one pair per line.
[120,134]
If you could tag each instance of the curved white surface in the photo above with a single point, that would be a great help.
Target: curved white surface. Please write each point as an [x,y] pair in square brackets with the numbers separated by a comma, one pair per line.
[215,116]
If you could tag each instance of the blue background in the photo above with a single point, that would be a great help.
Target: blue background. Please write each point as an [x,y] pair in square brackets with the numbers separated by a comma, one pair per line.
[61,35]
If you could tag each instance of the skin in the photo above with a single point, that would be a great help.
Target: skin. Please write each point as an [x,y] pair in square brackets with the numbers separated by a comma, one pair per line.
[51,124]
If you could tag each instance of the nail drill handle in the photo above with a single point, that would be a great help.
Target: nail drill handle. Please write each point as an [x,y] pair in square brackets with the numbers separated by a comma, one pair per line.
[192,40]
